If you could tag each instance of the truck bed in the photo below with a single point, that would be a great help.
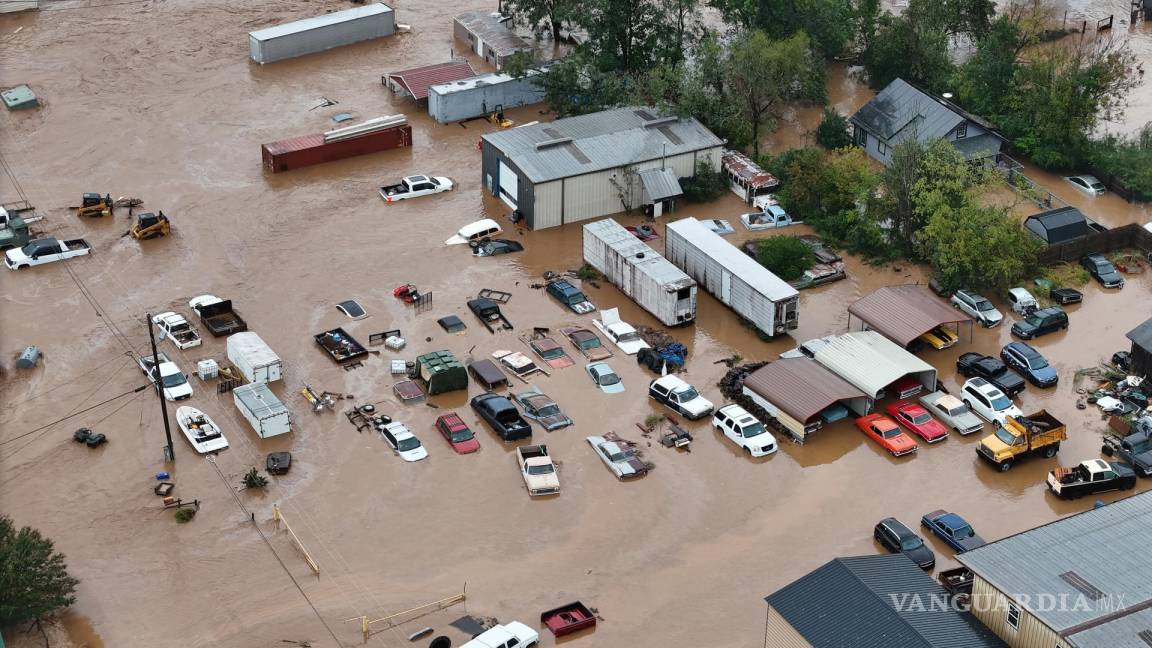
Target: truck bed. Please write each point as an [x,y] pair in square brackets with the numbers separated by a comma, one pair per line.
[339,345]
[77,244]
[221,320]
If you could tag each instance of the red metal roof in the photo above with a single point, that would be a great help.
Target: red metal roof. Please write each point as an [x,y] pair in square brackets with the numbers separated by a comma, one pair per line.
[744,168]
[417,80]
[800,386]
[295,144]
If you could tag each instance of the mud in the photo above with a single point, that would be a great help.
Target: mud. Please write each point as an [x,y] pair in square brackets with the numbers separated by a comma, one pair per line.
[159,101]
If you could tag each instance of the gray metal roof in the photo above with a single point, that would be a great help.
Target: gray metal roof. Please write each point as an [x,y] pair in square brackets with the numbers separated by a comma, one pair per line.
[800,386]
[1130,631]
[731,257]
[904,313]
[309,24]
[661,270]
[1142,335]
[1058,225]
[852,603]
[901,110]
[494,29]
[259,399]
[604,140]
[1103,550]
[660,184]
[870,361]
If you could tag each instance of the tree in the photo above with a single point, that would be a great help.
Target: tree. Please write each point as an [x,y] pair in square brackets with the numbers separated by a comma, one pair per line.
[573,86]
[983,85]
[903,49]
[680,29]
[819,186]
[33,577]
[833,131]
[707,185]
[549,15]
[623,35]
[518,64]
[979,247]
[785,256]
[956,17]
[830,24]
[764,75]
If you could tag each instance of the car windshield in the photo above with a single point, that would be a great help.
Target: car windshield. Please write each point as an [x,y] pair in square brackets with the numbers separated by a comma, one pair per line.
[552,409]
[910,543]
[29,249]
[890,433]
[552,354]
[174,380]
[686,394]
[608,379]
[434,181]
[921,418]
[984,305]
[629,336]
[999,401]
[461,435]
[1098,186]
[962,532]
[590,343]
[1037,362]
[575,298]
[756,429]
[545,469]
[619,455]
[1032,320]
[411,443]
[1005,436]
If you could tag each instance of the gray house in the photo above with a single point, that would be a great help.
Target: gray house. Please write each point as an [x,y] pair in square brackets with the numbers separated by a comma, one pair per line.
[901,111]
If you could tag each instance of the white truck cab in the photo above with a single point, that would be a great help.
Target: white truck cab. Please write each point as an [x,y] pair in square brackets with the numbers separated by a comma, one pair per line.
[510,635]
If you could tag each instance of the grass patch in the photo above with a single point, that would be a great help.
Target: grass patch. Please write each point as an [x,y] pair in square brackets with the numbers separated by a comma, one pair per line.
[588,273]
[185,515]
[1067,275]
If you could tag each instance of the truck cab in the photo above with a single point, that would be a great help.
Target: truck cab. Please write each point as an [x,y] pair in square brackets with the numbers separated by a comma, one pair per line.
[1089,477]
[511,635]
[538,470]
[1021,436]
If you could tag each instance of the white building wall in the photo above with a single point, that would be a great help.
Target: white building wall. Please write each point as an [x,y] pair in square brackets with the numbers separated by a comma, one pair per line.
[548,204]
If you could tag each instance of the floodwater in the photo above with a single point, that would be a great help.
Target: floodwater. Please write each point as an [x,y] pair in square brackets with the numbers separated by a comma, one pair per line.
[168,109]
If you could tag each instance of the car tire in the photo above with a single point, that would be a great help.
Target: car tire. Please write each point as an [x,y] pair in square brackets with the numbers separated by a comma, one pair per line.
[1005,465]
[1143,472]
[1051,451]
[22,266]
[749,451]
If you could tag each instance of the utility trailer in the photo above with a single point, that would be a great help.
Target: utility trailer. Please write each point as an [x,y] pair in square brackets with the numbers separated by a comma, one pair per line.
[757,295]
[217,315]
[340,346]
[488,312]
[640,272]
[263,411]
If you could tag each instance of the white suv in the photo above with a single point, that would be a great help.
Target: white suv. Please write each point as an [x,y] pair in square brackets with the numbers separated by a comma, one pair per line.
[680,397]
[744,430]
[987,401]
[978,307]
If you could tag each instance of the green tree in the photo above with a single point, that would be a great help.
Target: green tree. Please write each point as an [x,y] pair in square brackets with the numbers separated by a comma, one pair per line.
[833,131]
[573,86]
[830,24]
[903,49]
[785,256]
[518,64]
[1128,159]
[763,76]
[624,35]
[983,85]
[979,247]
[968,17]
[33,577]
[819,187]
[541,15]
[707,185]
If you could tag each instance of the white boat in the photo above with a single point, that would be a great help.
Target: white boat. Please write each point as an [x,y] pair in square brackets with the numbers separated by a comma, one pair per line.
[202,432]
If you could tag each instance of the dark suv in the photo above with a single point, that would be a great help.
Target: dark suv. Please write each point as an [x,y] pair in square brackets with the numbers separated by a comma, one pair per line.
[1041,322]
[1102,271]
[570,296]
[502,416]
[1028,361]
[992,370]
[895,537]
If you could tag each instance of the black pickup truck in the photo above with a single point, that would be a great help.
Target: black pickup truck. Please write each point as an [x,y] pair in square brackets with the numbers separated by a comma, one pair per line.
[991,369]
[1135,449]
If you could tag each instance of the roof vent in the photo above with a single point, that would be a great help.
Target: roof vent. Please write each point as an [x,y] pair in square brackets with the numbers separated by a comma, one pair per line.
[661,121]
[540,146]
[1085,588]
[1146,635]
[639,255]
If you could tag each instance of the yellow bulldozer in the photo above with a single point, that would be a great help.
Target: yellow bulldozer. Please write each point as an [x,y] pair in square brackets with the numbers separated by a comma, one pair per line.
[149,225]
[94,205]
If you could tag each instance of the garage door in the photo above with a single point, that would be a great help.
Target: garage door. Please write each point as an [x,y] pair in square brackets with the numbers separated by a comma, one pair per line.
[508,186]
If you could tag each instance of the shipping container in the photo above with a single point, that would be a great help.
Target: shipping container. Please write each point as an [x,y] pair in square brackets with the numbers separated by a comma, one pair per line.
[263,411]
[640,272]
[732,277]
[298,152]
[321,33]
[254,358]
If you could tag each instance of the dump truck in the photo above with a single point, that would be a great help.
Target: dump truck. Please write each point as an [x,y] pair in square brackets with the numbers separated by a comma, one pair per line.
[538,470]
[1021,436]
[217,315]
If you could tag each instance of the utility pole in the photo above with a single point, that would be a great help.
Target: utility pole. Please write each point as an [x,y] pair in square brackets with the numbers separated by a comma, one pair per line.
[169,454]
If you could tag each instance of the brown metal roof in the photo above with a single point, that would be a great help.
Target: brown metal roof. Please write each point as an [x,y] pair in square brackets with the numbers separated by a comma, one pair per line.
[800,387]
[744,168]
[417,80]
[904,313]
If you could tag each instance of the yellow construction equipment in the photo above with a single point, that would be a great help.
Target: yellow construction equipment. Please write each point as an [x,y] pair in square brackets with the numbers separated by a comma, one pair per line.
[149,225]
[95,205]
[497,117]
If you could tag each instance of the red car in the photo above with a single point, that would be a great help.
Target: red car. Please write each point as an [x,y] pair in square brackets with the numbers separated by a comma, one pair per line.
[918,420]
[457,433]
[885,432]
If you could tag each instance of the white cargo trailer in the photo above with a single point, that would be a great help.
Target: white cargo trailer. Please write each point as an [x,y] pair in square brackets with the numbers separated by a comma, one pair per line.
[734,278]
[321,33]
[264,412]
[254,358]
[640,272]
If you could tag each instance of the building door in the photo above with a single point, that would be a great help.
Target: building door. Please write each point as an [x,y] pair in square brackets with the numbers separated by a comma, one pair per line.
[509,186]
[725,286]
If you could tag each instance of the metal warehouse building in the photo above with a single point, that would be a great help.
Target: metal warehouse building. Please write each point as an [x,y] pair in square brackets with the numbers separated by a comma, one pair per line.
[589,166]
[479,95]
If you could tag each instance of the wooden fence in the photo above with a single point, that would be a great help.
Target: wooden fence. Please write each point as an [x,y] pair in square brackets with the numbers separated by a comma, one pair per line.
[1127,236]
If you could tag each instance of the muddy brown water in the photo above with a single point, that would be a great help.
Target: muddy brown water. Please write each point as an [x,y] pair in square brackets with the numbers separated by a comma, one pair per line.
[159,101]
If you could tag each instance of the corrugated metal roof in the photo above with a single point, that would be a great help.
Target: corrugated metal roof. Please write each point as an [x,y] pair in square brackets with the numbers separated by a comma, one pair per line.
[417,80]
[869,360]
[493,29]
[309,24]
[660,184]
[661,270]
[1124,632]
[743,167]
[1107,547]
[904,313]
[852,603]
[1142,335]
[295,144]
[901,109]
[259,399]
[731,257]
[605,140]
[800,387]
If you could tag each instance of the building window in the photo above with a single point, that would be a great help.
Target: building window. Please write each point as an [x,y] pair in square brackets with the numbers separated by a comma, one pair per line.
[962,131]
[1013,616]
[861,137]
[881,147]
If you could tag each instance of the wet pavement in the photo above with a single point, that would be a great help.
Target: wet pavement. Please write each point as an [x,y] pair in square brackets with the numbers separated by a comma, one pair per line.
[159,101]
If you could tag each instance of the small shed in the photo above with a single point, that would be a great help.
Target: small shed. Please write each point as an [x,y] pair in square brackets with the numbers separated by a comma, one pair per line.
[904,313]
[415,82]
[1141,353]
[660,188]
[489,34]
[796,390]
[441,372]
[872,362]
[1062,225]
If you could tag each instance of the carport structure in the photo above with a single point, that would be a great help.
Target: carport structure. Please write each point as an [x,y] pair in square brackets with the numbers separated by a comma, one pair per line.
[796,390]
[904,313]
[872,362]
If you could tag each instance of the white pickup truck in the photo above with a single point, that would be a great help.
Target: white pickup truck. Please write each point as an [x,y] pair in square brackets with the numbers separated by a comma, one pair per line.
[511,635]
[538,470]
[414,187]
[176,328]
[43,251]
[175,383]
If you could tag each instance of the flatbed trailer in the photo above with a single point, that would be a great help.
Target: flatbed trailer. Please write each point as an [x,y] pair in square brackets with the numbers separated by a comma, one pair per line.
[340,346]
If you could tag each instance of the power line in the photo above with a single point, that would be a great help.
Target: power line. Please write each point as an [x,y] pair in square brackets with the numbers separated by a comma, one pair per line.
[60,420]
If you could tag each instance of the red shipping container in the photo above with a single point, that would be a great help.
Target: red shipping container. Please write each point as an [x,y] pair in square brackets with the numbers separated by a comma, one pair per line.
[298,152]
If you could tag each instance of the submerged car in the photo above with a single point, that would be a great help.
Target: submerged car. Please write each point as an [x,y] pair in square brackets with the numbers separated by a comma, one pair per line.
[605,378]
[564,292]
[978,307]
[745,430]
[1065,296]
[990,403]
[680,397]
[621,333]
[619,456]
[1086,184]
[551,352]
[718,226]
[457,433]
[1102,271]
[1041,322]
[403,441]
[953,530]
[502,416]
[897,538]
[917,419]
[940,337]
[884,431]
[539,407]
[1024,358]
[495,247]
[587,342]
[974,364]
